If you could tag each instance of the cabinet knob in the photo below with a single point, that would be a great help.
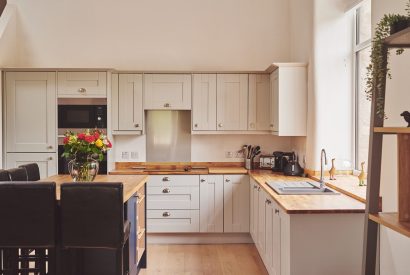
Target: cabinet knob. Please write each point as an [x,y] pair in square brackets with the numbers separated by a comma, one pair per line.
[254,187]
[49,147]
[220,125]
[268,201]
[259,188]
[82,90]
[167,105]
[166,214]
[202,180]
[271,125]
[196,125]
[276,211]
[166,191]
[165,179]
[136,125]
[227,180]
[50,158]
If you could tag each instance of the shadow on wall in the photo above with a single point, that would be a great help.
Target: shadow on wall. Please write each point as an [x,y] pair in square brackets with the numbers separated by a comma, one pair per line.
[3,4]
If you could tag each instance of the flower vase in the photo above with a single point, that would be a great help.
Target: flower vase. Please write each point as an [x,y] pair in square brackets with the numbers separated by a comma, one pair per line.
[83,169]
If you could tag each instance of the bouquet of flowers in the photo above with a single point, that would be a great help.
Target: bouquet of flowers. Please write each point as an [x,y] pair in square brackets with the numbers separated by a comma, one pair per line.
[85,145]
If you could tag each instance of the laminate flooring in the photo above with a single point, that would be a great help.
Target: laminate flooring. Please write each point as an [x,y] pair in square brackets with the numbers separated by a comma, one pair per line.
[204,259]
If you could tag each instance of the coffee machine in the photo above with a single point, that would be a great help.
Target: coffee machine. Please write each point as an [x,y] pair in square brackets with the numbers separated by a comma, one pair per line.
[280,160]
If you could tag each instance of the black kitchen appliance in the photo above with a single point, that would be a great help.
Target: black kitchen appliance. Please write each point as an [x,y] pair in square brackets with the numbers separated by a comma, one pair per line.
[293,168]
[280,160]
[63,167]
[82,116]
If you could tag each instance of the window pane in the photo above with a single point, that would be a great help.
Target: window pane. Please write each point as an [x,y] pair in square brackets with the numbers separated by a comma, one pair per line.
[363,107]
[364,24]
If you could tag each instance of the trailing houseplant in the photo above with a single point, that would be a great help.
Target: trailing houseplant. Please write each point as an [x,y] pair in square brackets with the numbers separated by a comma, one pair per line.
[84,150]
[378,69]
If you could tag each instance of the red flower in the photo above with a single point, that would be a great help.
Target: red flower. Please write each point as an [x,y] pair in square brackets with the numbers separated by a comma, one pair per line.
[96,135]
[65,141]
[89,139]
[81,136]
[109,145]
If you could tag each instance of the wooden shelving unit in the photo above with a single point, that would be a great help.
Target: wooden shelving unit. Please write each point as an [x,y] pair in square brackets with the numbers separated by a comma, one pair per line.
[373,218]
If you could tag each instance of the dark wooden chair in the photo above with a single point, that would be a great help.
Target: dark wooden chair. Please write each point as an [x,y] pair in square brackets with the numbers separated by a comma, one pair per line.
[92,221]
[17,174]
[32,171]
[28,221]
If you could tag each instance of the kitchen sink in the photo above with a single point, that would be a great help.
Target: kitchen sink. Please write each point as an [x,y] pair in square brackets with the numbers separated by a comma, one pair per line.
[299,188]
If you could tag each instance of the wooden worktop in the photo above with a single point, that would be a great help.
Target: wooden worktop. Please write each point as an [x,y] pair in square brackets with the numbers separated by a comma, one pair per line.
[302,204]
[131,182]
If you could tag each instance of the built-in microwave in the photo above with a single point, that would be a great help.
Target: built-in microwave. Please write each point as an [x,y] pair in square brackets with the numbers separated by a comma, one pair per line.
[82,116]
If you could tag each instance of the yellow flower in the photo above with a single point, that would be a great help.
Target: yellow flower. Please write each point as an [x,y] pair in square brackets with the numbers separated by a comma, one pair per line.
[99,143]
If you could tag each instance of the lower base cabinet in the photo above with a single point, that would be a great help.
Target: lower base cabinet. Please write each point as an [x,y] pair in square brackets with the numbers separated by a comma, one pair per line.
[47,162]
[305,244]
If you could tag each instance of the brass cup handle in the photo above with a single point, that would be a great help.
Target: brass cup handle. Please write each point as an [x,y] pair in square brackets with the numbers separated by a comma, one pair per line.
[268,201]
[202,180]
[255,187]
[166,191]
[49,147]
[276,211]
[50,158]
[227,180]
[136,125]
[166,214]
[165,179]
[82,90]
[167,105]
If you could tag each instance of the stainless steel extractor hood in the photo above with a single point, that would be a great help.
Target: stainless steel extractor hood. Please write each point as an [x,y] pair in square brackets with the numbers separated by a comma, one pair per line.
[168,136]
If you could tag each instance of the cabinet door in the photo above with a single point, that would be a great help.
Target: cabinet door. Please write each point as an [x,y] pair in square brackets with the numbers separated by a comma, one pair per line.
[254,210]
[47,162]
[82,84]
[132,241]
[261,222]
[211,203]
[273,237]
[274,99]
[232,101]
[259,105]
[204,102]
[167,91]
[130,112]
[30,112]
[236,203]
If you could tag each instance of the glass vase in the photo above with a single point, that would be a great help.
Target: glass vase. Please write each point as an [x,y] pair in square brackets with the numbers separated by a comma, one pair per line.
[83,169]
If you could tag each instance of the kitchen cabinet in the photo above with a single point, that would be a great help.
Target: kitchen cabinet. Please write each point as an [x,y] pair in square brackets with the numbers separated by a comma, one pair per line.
[82,84]
[173,203]
[288,96]
[30,112]
[254,206]
[259,102]
[47,162]
[167,91]
[127,110]
[232,101]
[272,253]
[236,203]
[261,232]
[204,102]
[211,203]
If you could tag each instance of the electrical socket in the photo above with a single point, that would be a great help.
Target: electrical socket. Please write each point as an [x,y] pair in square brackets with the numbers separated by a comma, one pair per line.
[134,155]
[125,155]
[229,154]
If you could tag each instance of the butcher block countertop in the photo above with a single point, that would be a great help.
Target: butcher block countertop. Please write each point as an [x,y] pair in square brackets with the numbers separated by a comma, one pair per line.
[305,204]
[131,183]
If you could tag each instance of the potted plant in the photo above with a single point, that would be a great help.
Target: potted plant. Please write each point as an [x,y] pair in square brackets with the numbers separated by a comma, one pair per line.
[84,150]
[378,68]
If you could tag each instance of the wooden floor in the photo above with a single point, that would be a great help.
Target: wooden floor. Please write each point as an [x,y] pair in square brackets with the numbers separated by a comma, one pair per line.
[232,259]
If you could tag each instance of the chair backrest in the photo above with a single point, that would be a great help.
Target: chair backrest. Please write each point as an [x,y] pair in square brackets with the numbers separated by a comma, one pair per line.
[4,175]
[32,171]
[17,174]
[92,215]
[27,214]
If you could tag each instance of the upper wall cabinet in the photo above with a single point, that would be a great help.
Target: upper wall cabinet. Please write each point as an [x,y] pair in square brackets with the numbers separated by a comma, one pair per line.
[204,102]
[167,91]
[127,110]
[259,102]
[30,112]
[232,101]
[289,100]
[82,84]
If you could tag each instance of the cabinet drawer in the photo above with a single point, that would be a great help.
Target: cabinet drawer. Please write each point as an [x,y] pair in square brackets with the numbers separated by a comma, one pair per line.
[173,180]
[170,197]
[162,221]
[82,84]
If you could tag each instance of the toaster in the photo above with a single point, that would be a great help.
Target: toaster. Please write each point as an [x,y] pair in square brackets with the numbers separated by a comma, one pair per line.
[266,162]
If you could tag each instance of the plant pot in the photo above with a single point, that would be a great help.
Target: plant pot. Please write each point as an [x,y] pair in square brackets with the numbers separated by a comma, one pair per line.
[83,169]
[399,26]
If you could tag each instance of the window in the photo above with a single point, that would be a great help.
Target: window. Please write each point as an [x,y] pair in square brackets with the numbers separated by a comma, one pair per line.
[362,50]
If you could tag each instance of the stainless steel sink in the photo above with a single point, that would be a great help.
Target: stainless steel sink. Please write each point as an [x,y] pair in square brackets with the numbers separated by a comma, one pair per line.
[299,188]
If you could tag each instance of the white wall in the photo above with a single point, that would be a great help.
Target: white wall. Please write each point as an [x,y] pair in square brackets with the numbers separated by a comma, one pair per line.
[206,148]
[153,34]
[394,248]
